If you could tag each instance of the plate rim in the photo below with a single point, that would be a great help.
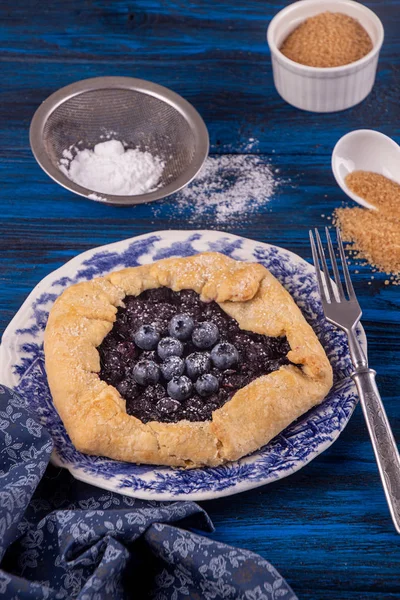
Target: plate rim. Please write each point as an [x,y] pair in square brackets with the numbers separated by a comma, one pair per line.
[77,472]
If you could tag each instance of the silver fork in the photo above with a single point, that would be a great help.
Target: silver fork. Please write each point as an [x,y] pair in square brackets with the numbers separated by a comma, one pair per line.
[345,313]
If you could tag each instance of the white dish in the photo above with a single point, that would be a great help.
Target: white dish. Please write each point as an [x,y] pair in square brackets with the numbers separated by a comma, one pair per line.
[22,368]
[365,150]
[323,89]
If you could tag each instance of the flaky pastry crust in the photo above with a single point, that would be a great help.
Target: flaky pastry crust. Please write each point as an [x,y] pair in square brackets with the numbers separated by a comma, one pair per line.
[94,412]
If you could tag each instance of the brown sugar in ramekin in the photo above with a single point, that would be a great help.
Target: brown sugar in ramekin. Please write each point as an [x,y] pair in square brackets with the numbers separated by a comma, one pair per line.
[327,40]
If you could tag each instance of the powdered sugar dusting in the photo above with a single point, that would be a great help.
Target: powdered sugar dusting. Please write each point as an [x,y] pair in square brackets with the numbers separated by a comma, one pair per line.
[251,145]
[228,188]
[97,197]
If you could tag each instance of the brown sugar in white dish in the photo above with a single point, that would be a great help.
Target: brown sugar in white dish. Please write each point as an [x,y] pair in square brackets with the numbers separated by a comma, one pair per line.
[378,190]
[375,235]
[327,40]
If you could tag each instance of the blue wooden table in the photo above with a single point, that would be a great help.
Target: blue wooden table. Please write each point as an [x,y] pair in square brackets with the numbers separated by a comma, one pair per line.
[326,528]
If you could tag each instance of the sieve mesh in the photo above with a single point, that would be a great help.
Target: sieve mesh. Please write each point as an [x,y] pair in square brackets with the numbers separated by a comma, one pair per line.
[137,118]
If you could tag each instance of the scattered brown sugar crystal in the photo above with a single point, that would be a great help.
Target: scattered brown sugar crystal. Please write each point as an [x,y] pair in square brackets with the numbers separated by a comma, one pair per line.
[375,237]
[378,190]
[327,40]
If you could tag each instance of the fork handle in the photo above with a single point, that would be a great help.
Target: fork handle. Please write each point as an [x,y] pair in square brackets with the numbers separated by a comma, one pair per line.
[383,442]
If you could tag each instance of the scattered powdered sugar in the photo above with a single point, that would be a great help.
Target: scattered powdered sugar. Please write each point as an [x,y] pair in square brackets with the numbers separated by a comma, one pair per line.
[97,198]
[250,145]
[228,188]
[111,169]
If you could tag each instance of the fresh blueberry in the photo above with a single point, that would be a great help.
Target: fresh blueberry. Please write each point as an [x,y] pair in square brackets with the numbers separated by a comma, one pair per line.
[169,347]
[206,385]
[197,364]
[167,406]
[205,335]
[146,337]
[224,356]
[173,366]
[146,372]
[179,388]
[181,326]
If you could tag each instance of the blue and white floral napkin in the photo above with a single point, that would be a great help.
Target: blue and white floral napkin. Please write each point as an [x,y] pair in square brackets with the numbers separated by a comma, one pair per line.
[60,538]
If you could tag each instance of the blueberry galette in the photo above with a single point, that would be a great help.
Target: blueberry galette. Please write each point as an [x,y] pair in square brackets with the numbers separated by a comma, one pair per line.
[187,361]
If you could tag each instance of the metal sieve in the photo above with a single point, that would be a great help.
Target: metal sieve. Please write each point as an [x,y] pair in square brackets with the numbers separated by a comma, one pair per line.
[141,114]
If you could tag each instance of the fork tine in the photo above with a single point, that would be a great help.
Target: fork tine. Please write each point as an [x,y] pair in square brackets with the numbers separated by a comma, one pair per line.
[334,265]
[317,267]
[349,285]
[325,267]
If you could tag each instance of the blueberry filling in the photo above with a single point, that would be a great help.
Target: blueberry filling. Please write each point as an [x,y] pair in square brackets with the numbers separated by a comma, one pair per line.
[174,357]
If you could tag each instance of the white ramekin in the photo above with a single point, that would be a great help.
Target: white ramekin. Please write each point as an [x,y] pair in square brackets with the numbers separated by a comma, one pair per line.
[323,89]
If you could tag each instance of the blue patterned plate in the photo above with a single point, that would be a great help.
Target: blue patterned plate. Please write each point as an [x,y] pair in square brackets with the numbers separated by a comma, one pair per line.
[22,367]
